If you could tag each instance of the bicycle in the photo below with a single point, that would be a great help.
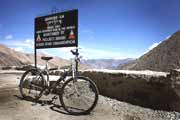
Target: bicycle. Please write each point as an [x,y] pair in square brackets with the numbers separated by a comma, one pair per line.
[77,94]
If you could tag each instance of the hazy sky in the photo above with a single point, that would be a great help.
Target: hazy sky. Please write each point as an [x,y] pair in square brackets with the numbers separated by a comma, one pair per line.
[107,28]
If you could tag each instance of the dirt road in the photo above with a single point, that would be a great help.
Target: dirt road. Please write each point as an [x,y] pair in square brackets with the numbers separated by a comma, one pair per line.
[12,107]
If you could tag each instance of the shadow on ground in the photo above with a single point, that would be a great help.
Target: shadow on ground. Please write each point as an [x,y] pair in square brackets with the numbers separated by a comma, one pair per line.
[53,106]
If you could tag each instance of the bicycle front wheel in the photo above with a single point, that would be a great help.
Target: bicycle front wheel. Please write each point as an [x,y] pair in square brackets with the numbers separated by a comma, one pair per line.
[79,96]
[31,84]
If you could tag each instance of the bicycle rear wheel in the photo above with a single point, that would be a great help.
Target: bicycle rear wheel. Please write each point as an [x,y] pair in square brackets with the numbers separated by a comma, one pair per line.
[79,96]
[31,84]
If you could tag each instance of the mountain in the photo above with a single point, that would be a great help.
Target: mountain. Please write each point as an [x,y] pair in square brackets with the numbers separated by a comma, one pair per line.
[164,57]
[106,63]
[10,57]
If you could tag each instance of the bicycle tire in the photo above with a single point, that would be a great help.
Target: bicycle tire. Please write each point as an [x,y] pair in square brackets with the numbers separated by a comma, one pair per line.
[92,88]
[26,83]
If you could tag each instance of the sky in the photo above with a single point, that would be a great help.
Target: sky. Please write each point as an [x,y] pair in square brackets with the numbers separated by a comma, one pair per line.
[114,29]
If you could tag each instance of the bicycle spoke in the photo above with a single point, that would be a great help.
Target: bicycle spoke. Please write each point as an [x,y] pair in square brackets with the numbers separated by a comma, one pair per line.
[87,97]
[81,97]
[30,85]
[86,102]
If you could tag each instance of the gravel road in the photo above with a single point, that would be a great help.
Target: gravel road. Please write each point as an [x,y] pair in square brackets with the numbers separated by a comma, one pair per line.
[12,107]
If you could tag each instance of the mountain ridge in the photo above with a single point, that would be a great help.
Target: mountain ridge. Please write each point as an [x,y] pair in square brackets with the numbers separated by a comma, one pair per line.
[164,57]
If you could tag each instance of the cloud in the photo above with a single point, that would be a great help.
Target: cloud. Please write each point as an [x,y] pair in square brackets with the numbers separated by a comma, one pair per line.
[19,49]
[29,43]
[153,45]
[88,34]
[93,53]
[9,37]
[87,31]
[26,45]
[45,51]
[86,53]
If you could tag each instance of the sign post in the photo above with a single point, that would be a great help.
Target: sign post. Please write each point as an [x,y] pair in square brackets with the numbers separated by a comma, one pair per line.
[56,30]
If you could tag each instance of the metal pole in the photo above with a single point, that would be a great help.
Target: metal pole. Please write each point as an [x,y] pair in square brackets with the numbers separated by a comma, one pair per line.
[76,61]
[35,59]
[77,43]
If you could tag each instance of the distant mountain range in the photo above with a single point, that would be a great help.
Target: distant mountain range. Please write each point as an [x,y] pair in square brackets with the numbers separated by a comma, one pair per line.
[106,63]
[10,57]
[164,57]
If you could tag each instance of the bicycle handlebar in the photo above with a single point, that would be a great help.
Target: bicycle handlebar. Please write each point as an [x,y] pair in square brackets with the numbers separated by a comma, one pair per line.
[75,52]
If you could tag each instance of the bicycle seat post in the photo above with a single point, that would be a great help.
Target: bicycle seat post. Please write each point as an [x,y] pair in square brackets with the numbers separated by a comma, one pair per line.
[46,67]
[46,59]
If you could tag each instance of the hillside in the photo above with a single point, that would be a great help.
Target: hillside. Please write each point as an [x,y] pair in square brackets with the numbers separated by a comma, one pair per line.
[10,57]
[164,57]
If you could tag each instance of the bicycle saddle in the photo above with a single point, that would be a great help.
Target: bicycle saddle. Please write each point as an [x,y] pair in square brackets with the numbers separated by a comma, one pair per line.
[46,58]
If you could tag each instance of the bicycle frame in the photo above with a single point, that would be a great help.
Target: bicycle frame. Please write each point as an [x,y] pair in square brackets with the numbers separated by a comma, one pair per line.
[73,70]
[53,86]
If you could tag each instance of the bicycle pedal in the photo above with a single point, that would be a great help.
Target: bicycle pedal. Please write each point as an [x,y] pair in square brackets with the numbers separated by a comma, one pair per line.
[54,98]
[46,92]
